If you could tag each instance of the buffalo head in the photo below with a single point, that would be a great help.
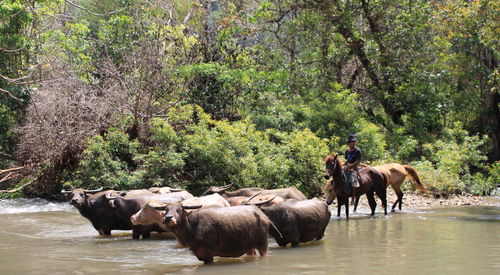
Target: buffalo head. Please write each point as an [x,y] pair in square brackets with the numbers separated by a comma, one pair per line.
[151,212]
[78,197]
[217,189]
[174,213]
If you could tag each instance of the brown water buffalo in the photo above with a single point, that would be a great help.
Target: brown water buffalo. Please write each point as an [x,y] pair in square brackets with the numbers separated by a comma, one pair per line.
[298,221]
[266,200]
[219,231]
[103,219]
[285,193]
[126,207]
[153,211]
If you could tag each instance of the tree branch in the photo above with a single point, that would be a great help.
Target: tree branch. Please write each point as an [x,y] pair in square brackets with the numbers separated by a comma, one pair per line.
[11,169]
[9,94]
[91,12]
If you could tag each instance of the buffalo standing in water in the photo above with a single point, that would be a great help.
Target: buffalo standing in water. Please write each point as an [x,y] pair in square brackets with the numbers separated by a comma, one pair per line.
[125,207]
[223,231]
[153,212]
[103,220]
[298,221]
[285,193]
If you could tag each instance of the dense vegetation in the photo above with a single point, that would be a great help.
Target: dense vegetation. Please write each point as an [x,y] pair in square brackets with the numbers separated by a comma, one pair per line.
[131,94]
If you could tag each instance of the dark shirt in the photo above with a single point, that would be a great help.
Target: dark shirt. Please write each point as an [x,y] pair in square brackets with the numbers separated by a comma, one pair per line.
[354,155]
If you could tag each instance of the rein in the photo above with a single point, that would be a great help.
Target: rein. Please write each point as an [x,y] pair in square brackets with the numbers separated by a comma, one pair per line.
[333,171]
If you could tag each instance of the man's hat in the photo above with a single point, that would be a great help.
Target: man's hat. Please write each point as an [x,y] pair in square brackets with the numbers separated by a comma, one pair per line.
[351,137]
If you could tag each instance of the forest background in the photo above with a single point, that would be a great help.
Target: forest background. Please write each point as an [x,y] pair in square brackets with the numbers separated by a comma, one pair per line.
[132,93]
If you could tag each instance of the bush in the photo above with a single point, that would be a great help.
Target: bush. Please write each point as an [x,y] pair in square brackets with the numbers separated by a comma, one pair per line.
[108,161]
[438,180]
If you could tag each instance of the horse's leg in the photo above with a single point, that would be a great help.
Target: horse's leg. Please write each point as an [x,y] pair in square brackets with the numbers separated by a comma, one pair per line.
[346,201]
[371,201]
[399,194]
[356,204]
[382,194]
[340,201]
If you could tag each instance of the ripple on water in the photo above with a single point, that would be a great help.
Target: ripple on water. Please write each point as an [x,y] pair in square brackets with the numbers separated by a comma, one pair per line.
[17,206]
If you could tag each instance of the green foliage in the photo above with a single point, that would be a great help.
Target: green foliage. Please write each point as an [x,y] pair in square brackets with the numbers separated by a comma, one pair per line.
[453,160]
[109,162]
[216,88]
[255,93]
[205,153]
[14,44]
[438,180]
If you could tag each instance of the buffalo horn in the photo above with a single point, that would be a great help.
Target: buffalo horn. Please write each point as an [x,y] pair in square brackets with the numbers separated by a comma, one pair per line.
[249,199]
[176,189]
[189,207]
[93,191]
[226,186]
[110,197]
[262,202]
[65,192]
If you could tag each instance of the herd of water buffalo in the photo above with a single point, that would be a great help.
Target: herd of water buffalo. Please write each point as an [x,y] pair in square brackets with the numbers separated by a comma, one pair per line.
[230,224]
[218,223]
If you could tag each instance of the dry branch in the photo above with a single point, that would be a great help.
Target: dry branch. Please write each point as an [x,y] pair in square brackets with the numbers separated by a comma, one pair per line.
[11,169]
[19,188]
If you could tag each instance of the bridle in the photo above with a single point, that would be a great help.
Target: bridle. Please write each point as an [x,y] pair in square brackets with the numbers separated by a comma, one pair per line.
[332,166]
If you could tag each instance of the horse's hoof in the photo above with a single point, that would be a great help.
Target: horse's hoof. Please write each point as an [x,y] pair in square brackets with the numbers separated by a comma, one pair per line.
[393,210]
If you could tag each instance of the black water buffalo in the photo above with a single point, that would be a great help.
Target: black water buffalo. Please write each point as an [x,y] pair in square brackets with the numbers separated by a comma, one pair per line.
[125,207]
[103,219]
[222,231]
[285,193]
[298,221]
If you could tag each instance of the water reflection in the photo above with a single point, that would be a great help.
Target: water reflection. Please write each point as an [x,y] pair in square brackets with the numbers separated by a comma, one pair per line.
[56,239]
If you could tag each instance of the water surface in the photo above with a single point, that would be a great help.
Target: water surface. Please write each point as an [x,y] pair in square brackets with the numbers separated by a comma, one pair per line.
[40,237]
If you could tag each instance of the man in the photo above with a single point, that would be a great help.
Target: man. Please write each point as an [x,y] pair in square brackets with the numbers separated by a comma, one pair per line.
[353,158]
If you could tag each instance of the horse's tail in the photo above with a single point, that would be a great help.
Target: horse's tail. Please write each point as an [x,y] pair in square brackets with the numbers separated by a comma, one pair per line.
[412,172]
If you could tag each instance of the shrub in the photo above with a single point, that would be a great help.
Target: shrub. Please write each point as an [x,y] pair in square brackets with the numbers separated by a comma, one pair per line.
[438,180]
[108,161]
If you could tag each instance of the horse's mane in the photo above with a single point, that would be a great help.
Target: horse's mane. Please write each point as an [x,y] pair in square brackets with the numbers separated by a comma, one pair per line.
[329,158]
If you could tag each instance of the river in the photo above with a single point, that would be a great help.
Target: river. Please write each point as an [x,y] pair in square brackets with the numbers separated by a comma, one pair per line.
[41,237]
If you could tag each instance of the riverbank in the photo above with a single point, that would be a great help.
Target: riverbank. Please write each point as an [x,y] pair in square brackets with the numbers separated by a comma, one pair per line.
[413,201]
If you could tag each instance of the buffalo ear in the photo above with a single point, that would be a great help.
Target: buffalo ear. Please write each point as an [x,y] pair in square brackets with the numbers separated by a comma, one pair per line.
[123,194]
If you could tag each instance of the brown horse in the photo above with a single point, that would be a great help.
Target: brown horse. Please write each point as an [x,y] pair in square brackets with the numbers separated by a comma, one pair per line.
[396,174]
[371,182]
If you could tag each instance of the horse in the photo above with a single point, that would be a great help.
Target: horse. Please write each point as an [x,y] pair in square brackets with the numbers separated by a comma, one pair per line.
[396,174]
[372,181]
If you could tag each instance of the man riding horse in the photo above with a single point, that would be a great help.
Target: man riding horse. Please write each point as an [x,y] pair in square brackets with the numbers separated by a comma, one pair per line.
[353,158]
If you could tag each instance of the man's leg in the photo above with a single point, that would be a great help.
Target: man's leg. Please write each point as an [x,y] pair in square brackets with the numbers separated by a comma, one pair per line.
[354,178]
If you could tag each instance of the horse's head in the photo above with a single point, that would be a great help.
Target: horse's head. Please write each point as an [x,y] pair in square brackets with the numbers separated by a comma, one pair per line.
[330,192]
[331,164]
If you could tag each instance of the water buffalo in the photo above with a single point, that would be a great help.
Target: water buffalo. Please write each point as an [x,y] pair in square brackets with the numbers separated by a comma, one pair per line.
[298,221]
[220,231]
[164,190]
[153,211]
[125,207]
[285,193]
[214,200]
[267,200]
[103,219]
